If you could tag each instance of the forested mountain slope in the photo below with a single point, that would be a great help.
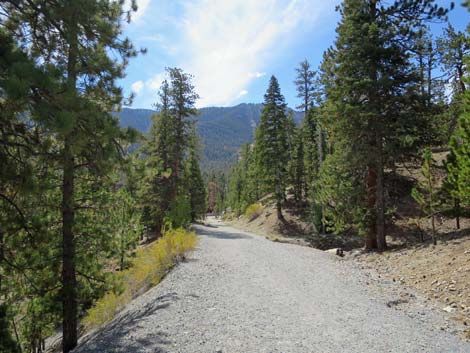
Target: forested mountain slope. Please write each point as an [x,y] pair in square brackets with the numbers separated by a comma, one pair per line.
[222,130]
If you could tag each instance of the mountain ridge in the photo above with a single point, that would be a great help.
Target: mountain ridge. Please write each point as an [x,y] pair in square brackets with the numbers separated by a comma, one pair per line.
[222,130]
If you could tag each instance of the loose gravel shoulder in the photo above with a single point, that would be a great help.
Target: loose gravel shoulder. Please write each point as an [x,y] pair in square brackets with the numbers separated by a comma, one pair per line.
[242,293]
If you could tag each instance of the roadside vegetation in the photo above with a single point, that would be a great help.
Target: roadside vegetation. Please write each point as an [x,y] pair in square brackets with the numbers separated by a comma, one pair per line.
[80,196]
[150,265]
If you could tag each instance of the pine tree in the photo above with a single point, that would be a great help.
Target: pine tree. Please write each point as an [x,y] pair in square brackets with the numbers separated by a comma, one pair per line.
[171,140]
[304,83]
[372,90]
[242,183]
[221,195]
[7,343]
[311,146]
[425,194]
[454,48]
[459,168]
[312,141]
[77,39]
[272,144]
[182,97]
[292,162]
[196,188]
[157,184]
[298,166]
[125,217]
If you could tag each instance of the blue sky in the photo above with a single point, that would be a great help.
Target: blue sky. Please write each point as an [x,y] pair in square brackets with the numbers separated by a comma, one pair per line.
[233,46]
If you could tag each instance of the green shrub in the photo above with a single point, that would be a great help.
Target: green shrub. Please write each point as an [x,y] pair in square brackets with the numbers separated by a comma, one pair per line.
[253,211]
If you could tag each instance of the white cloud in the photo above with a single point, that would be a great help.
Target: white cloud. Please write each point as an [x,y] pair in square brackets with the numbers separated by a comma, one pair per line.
[256,74]
[141,7]
[137,86]
[229,42]
[242,93]
[155,82]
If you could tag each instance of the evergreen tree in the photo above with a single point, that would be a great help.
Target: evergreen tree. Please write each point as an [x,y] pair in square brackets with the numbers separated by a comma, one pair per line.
[83,42]
[374,85]
[127,228]
[304,83]
[311,141]
[221,195]
[171,141]
[459,166]
[310,138]
[425,194]
[298,161]
[272,144]
[292,162]
[454,48]
[157,184]
[182,97]
[196,188]
[7,343]
[243,182]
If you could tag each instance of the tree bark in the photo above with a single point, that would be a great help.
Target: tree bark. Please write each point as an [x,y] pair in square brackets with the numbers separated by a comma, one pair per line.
[380,200]
[69,280]
[2,246]
[371,184]
[457,211]
[279,195]
[371,178]
[321,158]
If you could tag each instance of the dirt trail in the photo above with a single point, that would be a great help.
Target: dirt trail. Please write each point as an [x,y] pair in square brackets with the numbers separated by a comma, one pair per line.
[242,293]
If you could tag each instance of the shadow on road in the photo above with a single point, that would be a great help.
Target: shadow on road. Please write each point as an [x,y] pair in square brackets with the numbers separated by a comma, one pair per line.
[118,335]
[204,231]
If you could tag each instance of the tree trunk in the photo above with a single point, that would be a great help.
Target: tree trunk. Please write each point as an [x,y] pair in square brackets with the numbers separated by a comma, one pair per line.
[279,211]
[430,64]
[374,178]
[69,280]
[380,200]
[69,300]
[1,257]
[457,212]
[321,158]
[371,185]
[279,195]
[434,240]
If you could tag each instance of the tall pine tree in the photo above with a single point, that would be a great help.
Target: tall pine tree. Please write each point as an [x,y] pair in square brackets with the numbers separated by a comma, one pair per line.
[83,41]
[373,86]
[271,144]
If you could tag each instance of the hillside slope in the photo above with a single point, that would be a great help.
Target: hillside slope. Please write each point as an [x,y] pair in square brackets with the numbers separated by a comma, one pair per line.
[222,130]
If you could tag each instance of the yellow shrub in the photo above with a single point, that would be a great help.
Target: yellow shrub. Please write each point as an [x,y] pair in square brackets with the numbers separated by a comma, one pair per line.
[253,211]
[104,310]
[148,268]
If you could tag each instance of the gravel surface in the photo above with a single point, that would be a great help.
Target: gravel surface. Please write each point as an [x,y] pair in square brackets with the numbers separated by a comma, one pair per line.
[242,293]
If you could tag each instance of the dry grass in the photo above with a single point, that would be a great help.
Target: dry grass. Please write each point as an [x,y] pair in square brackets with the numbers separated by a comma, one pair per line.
[149,267]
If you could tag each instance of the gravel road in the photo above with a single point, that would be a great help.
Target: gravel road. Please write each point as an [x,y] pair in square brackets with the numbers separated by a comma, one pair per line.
[240,293]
